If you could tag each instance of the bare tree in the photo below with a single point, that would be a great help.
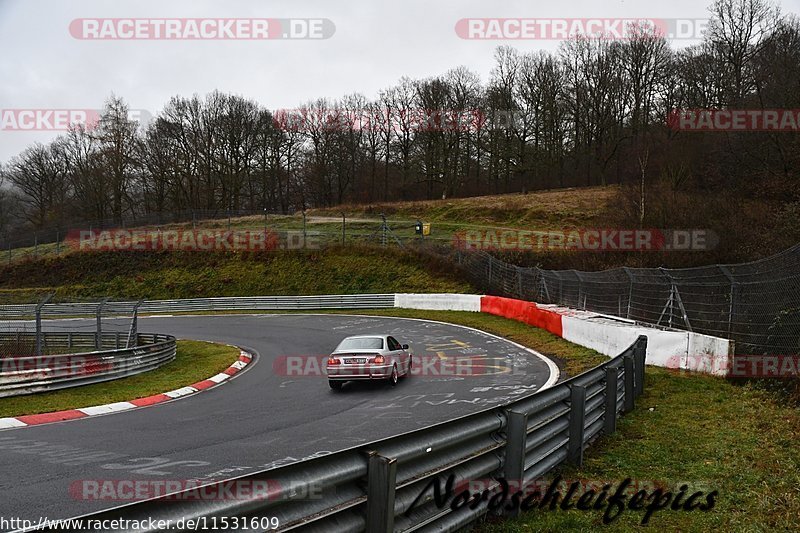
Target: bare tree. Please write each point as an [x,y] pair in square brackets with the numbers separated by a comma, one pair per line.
[738,31]
[40,175]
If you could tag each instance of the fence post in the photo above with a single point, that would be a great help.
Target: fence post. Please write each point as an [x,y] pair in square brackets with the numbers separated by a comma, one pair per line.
[581,294]
[38,331]
[39,334]
[629,383]
[612,378]
[544,286]
[98,336]
[560,300]
[133,332]
[490,271]
[630,290]
[639,356]
[577,419]
[516,435]
[733,293]
[381,481]
[304,228]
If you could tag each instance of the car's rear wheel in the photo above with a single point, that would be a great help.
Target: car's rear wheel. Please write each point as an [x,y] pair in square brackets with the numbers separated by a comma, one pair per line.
[394,377]
[410,366]
[335,385]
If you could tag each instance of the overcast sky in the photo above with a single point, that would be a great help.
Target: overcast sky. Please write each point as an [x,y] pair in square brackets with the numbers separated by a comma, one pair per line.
[42,66]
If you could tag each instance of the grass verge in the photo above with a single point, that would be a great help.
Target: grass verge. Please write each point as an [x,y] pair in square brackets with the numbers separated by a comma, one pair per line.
[702,431]
[195,361]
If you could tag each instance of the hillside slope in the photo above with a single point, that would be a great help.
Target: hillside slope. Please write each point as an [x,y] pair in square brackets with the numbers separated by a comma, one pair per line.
[153,275]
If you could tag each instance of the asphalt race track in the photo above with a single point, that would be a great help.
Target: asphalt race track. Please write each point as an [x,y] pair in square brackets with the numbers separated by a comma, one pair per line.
[261,418]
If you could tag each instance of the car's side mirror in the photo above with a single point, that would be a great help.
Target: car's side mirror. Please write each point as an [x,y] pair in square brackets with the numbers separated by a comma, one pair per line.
[405,346]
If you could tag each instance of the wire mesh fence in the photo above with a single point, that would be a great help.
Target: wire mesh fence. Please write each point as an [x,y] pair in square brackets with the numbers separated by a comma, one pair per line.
[756,304]
[183,232]
[43,325]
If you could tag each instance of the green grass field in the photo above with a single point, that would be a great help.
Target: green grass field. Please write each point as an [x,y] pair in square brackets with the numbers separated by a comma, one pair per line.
[157,275]
[194,361]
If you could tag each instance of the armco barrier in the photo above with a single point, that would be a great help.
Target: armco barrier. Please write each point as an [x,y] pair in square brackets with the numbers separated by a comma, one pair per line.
[606,334]
[233,303]
[387,485]
[31,374]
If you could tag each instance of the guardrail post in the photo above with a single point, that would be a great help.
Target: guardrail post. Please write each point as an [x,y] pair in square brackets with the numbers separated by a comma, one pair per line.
[639,355]
[98,339]
[516,435]
[629,383]
[577,419]
[610,422]
[381,482]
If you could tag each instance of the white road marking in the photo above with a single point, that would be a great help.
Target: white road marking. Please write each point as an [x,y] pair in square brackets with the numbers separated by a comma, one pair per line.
[177,393]
[107,408]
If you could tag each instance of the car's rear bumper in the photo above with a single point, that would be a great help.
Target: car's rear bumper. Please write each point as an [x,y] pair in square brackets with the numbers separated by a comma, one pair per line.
[354,372]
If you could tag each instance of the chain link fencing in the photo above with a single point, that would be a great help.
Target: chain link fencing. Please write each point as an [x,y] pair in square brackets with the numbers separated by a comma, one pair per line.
[757,304]
[28,325]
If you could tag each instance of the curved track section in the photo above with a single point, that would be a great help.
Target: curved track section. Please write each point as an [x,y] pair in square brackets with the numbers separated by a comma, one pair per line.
[263,417]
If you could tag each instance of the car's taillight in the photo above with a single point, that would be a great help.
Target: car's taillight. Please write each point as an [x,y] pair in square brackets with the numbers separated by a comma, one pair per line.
[379,359]
[333,361]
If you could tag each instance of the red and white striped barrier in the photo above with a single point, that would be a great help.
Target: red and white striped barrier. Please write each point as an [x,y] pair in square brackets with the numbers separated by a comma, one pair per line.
[602,333]
[73,414]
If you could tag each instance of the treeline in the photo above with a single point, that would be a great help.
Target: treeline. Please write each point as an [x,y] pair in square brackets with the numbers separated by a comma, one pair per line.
[593,113]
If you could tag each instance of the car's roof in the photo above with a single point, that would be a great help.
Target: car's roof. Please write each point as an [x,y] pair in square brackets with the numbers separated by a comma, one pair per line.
[378,336]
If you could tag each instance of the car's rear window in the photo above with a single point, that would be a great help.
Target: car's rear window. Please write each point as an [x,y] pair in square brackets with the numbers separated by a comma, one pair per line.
[362,343]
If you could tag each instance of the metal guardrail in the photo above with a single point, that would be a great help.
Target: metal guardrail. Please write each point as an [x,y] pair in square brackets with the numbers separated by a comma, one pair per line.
[232,303]
[31,374]
[387,485]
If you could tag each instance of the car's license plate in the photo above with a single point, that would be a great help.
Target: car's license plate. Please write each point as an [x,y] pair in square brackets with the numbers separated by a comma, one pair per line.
[356,361]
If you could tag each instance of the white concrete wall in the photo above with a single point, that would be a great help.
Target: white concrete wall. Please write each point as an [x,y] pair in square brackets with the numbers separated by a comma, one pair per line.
[669,349]
[439,302]
[710,355]
[607,335]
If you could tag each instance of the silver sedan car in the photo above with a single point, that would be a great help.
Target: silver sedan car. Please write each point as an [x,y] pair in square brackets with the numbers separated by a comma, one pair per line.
[369,357]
